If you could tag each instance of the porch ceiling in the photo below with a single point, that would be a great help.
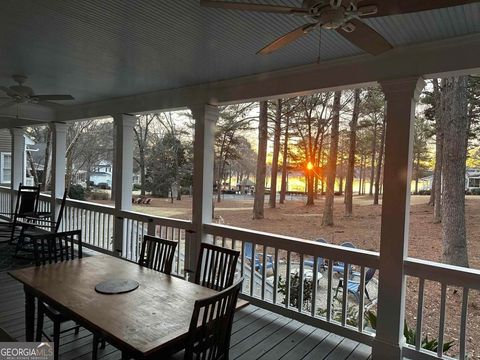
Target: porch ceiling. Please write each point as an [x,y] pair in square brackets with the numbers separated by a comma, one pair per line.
[97,50]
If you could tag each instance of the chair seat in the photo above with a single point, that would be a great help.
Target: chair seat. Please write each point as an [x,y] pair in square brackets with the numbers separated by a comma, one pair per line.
[35,231]
[353,286]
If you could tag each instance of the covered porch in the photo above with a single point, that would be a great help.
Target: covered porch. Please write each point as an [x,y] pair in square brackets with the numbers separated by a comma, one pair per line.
[121,86]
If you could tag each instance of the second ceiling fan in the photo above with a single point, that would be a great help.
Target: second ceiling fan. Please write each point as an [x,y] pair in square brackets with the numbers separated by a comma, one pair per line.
[343,16]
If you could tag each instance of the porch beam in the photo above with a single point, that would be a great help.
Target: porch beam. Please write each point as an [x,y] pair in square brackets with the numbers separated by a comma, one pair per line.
[122,173]
[17,160]
[59,150]
[401,96]
[427,59]
[206,117]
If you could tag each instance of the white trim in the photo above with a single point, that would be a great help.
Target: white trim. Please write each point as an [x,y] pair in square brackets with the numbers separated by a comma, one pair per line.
[2,168]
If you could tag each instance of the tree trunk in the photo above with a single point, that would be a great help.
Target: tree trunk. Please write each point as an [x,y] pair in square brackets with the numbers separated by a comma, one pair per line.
[142,172]
[372,161]
[259,200]
[276,151]
[310,188]
[379,163]
[332,162]
[32,168]
[283,189]
[417,168]
[440,115]
[46,160]
[360,175]
[69,171]
[351,155]
[455,125]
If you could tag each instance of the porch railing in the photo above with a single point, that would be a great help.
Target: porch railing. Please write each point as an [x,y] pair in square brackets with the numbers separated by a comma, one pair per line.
[272,287]
[135,225]
[458,281]
[287,287]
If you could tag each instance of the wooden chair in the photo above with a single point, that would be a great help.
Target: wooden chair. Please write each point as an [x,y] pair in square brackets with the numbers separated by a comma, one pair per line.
[157,254]
[25,206]
[353,286]
[51,248]
[216,266]
[211,325]
[37,227]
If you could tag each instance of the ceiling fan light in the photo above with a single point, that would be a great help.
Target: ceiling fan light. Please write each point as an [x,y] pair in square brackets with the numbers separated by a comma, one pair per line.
[367,10]
[348,27]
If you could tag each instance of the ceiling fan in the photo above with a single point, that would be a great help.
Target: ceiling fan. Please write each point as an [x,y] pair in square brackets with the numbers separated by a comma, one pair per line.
[21,94]
[343,16]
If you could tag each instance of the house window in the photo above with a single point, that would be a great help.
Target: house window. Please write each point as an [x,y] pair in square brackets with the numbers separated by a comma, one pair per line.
[474,183]
[5,168]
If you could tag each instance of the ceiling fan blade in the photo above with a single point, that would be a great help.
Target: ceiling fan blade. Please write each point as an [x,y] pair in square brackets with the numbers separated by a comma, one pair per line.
[366,38]
[394,7]
[52,97]
[287,39]
[7,104]
[252,7]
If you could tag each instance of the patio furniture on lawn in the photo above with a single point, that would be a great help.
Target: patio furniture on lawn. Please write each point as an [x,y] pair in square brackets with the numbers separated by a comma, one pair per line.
[211,339]
[216,266]
[26,205]
[307,274]
[339,267]
[157,254]
[353,286]
[260,258]
[154,318]
[320,261]
[51,248]
[6,337]
[34,226]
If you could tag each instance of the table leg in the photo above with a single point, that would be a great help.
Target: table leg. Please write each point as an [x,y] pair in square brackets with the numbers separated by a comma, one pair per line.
[29,315]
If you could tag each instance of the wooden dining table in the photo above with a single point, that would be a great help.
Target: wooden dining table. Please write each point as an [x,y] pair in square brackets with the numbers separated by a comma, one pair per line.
[154,318]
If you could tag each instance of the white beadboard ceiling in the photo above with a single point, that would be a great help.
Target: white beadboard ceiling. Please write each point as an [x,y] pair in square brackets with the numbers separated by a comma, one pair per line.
[96,50]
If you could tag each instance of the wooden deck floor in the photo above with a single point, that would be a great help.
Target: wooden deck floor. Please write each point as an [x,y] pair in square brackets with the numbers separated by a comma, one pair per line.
[257,334]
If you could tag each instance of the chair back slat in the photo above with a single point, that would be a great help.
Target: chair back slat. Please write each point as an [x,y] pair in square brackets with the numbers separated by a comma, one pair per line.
[27,200]
[216,266]
[50,248]
[211,325]
[60,212]
[157,254]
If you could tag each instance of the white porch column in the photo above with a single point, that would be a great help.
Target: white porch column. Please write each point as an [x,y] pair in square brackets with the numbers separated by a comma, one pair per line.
[59,150]
[401,96]
[205,117]
[122,173]
[17,167]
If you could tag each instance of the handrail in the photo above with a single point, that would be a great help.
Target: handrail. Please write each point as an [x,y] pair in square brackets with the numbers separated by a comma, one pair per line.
[443,273]
[296,245]
[158,220]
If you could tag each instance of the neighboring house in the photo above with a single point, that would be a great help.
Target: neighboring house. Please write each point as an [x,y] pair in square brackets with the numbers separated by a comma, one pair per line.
[99,175]
[6,159]
[472,180]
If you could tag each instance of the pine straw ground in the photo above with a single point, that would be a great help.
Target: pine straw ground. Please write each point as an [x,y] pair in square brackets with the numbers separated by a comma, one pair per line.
[363,229]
